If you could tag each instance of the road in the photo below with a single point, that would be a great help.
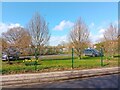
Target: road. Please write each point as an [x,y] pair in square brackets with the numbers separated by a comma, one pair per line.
[106,81]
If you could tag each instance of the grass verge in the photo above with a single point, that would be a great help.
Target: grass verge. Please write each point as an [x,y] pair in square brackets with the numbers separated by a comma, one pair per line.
[57,64]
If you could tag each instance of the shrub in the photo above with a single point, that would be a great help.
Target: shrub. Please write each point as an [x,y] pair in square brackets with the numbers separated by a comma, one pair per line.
[30,62]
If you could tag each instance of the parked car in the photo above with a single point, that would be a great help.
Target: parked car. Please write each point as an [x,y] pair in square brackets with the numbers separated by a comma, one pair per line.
[4,56]
[11,54]
[92,52]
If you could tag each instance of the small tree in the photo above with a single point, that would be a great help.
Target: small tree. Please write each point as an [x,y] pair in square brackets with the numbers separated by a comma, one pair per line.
[111,40]
[39,32]
[16,37]
[79,37]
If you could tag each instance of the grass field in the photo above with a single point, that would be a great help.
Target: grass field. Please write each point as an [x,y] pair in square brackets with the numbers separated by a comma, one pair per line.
[56,64]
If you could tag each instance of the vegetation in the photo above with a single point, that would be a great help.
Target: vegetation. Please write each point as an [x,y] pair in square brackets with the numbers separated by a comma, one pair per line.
[79,37]
[63,63]
[34,40]
[110,40]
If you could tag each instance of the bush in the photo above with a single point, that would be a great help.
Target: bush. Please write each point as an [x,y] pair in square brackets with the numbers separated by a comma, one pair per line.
[30,62]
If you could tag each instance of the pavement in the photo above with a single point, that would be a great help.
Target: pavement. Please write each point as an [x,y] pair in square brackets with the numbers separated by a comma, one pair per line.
[21,79]
[105,81]
[51,56]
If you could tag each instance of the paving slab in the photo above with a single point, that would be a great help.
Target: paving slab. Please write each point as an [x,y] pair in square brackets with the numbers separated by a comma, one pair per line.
[54,76]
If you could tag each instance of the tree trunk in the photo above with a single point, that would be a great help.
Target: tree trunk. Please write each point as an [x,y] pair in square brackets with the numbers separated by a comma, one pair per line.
[79,56]
[8,61]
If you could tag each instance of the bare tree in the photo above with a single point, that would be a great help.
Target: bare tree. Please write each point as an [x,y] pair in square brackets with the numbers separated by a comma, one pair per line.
[111,40]
[111,33]
[17,37]
[79,37]
[39,32]
[4,44]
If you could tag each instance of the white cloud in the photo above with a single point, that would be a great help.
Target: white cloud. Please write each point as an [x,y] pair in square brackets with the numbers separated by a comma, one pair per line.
[14,25]
[91,25]
[97,37]
[63,24]
[101,31]
[93,37]
[97,32]
[100,36]
[55,40]
[4,27]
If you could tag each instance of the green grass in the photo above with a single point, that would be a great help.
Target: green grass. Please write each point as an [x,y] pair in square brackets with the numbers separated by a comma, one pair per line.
[61,63]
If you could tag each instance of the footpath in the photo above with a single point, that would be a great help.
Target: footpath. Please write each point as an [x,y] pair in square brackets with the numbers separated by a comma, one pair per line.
[21,79]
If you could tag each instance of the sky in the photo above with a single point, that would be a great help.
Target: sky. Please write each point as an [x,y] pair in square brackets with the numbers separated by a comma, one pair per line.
[61,17]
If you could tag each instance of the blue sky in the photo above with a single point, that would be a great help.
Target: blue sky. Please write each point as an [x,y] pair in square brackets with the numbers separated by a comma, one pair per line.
[62,16]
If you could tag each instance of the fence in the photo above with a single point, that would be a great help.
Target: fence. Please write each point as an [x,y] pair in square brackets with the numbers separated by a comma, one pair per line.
[48,63]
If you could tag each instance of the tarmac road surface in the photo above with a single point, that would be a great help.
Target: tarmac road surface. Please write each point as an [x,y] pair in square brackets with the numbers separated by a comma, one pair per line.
[106,81]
